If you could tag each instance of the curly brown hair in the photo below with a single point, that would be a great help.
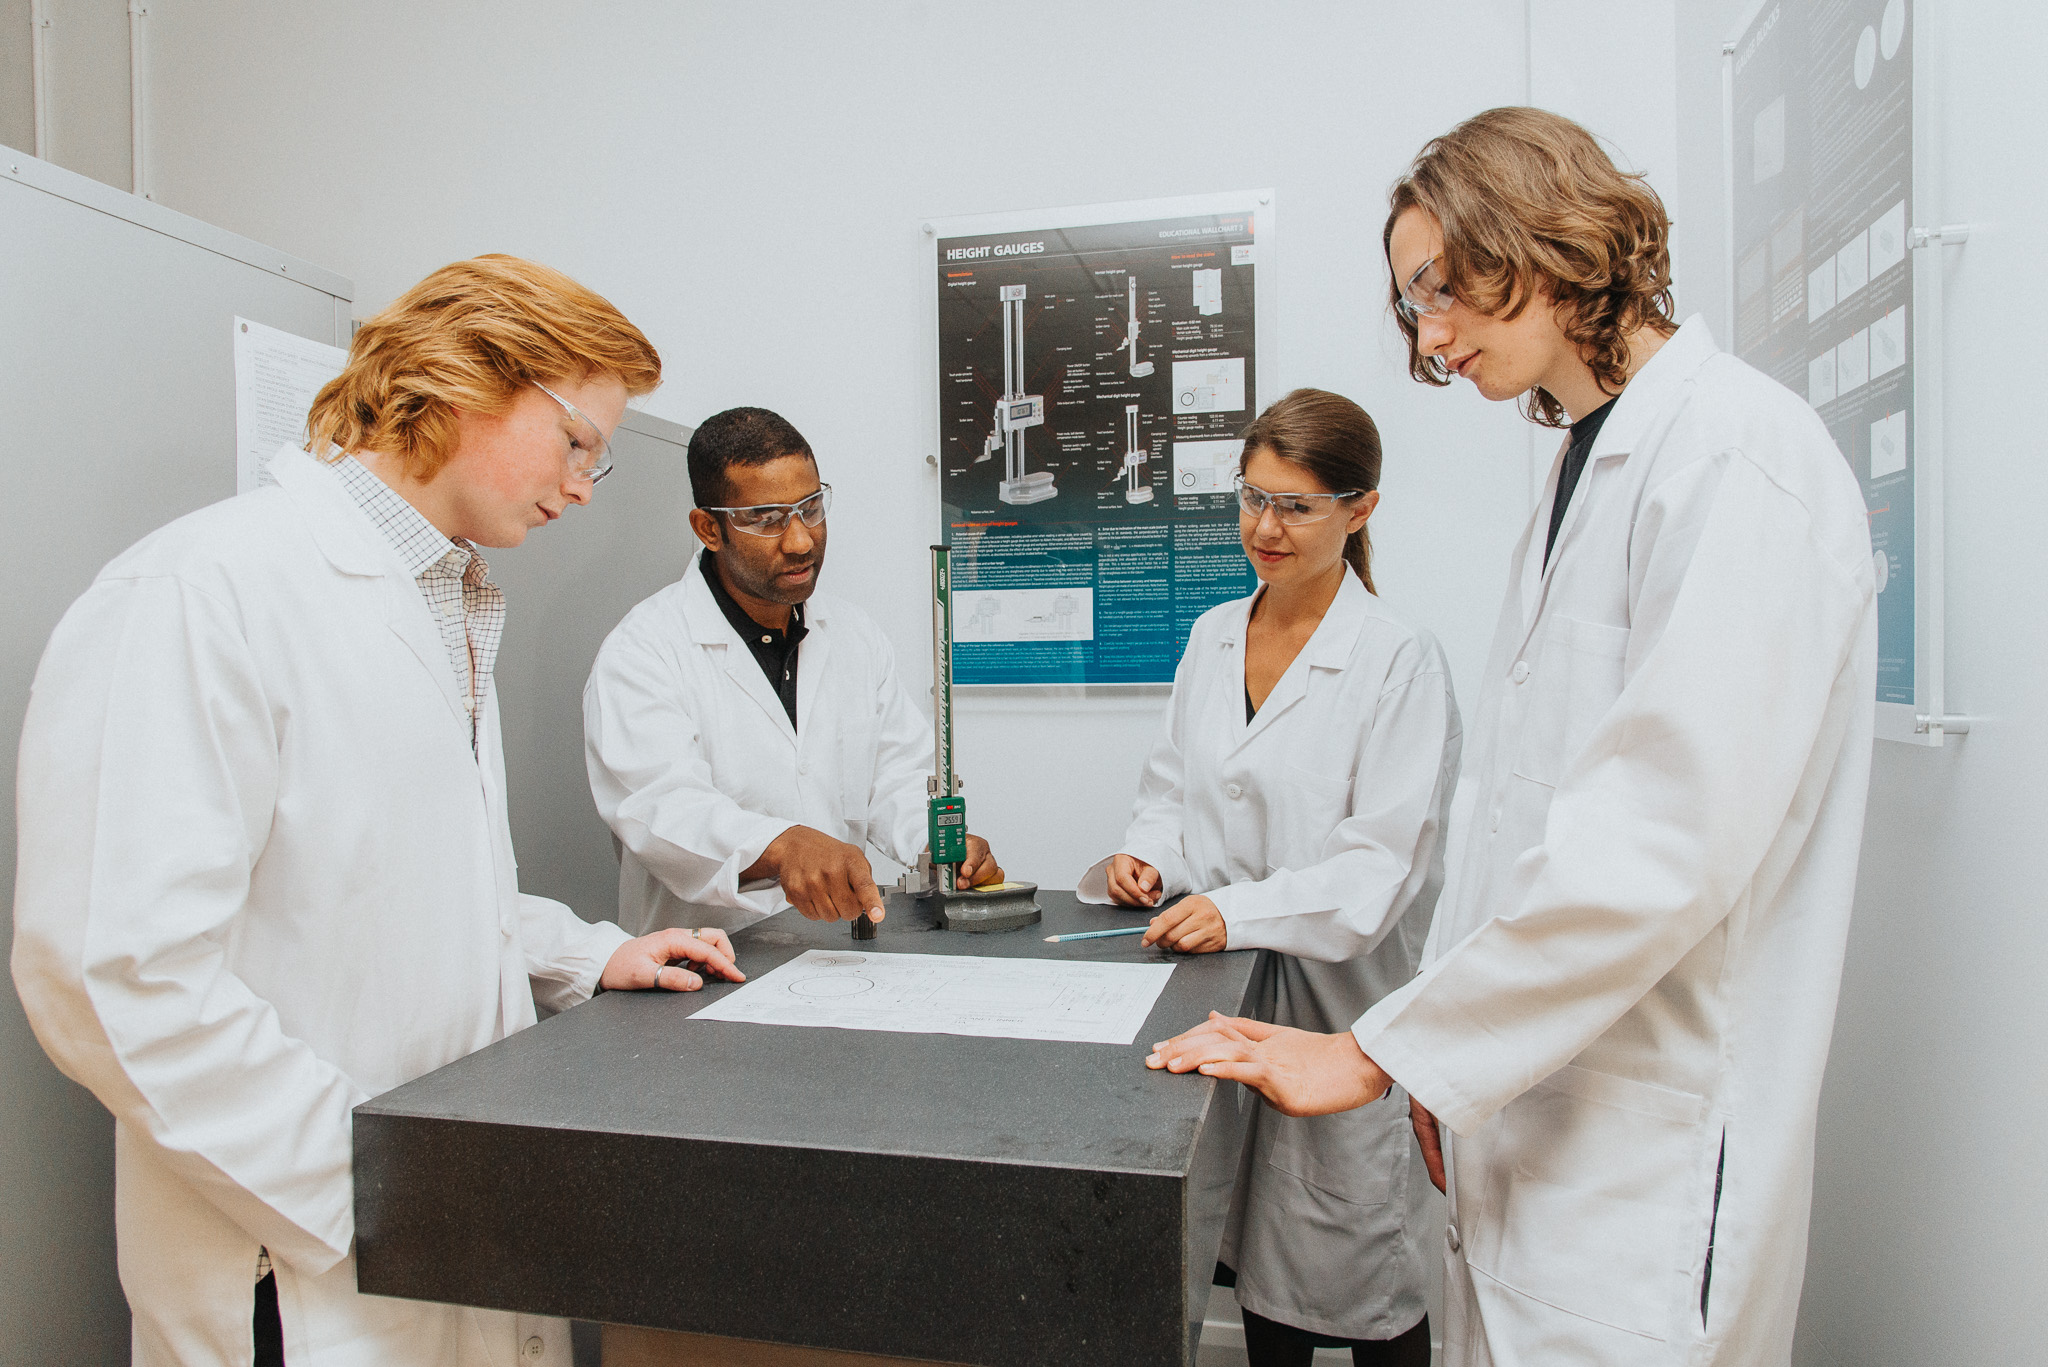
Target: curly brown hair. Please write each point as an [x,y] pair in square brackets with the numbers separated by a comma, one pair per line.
[1530,205]
[470,335]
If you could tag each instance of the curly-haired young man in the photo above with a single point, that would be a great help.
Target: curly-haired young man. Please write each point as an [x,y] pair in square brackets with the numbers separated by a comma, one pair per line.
[1618,1033]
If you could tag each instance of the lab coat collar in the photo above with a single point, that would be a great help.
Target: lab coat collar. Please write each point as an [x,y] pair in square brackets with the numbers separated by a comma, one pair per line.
[344,535]
[1645,401]
[339,528]
[1329,646]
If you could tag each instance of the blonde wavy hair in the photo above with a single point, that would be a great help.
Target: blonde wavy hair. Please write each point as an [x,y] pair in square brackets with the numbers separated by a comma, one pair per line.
[1530,205]
[471,335]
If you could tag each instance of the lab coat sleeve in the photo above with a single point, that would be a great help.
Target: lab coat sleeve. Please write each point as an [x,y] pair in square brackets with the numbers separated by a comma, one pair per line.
[147,780]
[1154,834]
[565,955]
[1380,857]
[653,785]
[1742,625]
[903,762]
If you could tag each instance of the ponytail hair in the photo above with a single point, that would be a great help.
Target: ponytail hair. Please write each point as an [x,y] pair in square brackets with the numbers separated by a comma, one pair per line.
[1333,439]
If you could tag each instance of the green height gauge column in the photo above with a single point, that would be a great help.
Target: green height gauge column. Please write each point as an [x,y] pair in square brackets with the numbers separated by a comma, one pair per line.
[946,811]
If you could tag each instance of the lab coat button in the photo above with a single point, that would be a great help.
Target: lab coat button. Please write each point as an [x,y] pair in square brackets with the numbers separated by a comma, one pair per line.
[1520,671]
[1451,1240]
[804,767]
[1233,790]
[535,1348]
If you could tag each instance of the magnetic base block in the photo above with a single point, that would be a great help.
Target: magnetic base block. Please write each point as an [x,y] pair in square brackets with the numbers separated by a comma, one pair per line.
[1035,487]
[1141,494]
[1006,906]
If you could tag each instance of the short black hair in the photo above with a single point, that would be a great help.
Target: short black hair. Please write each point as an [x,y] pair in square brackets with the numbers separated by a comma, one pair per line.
[738,436]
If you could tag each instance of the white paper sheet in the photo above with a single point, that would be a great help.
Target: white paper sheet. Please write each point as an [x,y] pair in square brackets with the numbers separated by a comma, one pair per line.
[951,994]
[277,376]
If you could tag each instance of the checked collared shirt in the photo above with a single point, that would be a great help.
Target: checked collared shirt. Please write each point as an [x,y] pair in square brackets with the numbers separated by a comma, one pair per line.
[468,608]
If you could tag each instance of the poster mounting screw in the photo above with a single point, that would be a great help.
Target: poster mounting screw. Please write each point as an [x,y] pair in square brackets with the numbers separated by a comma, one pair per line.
[932,461]
[929,230]
[1953,234]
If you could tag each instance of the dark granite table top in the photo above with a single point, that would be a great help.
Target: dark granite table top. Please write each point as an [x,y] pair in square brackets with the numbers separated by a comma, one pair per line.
[1088,1167]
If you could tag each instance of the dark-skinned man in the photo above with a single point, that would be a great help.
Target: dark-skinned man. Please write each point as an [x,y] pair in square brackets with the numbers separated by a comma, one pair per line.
[746,738]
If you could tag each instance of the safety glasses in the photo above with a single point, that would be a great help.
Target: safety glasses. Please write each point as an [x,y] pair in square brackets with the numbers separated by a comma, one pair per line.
[770,519]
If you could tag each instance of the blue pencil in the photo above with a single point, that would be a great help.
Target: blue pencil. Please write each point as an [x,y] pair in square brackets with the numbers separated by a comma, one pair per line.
[1096,934]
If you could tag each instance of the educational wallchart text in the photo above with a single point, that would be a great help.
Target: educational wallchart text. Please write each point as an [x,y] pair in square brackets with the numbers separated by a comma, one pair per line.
[277,376]
[1823,178]
[1092,381]
[951,994]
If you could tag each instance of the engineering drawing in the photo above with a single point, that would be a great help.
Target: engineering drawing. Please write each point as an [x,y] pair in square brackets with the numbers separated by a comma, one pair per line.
[1138,368]
[1016,412]
[1137,488]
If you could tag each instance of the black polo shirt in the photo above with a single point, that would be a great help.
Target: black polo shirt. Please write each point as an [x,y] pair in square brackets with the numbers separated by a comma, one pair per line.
[775,651]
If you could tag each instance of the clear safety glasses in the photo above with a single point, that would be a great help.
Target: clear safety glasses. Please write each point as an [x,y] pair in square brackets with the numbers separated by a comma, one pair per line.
[771,519]
[1293,510]
[590,455]
[1425,295]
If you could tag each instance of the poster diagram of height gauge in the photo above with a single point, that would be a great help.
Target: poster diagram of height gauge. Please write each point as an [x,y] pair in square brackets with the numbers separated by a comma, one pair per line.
[1092,379]
[1822,135]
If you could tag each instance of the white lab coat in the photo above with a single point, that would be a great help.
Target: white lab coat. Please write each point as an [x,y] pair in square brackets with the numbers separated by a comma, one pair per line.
[1317,830]
[262,879]
[696,769]
[1652,858]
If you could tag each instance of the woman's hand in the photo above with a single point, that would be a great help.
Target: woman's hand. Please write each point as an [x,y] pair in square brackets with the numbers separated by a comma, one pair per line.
[1298,1073]
[657,961]
[1133,882]
[1192,925]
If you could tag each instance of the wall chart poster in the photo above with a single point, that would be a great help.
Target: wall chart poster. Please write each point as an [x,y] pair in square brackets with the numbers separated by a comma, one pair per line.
[1822,141]
[1092,379]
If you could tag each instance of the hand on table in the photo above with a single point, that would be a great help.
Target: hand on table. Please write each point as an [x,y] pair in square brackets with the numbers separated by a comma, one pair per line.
[657,961]
[979,868]
[1297,1072]
[825,879]
[1430,1138]
[1133,882]
[1192,925]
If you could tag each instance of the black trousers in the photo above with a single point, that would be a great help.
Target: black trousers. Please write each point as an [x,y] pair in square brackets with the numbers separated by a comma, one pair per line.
[265,1326]
[1269,1343]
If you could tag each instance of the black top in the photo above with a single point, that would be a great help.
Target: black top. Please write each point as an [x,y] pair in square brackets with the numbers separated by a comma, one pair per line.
[1583,433]
[775,651]
[1250,711]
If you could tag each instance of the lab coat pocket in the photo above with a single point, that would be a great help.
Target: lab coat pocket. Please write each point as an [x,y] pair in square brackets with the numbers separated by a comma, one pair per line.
[1308,805]
[1347,1155]
[1569,680]
[1596,1189]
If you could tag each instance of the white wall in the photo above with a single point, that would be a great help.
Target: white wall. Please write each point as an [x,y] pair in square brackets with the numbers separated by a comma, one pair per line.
[747,182]
[1930,1221]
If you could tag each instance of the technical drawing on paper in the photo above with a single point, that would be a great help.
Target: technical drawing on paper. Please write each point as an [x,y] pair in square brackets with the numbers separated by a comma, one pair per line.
[1212,385]
[1205,467]
[1208,292]
[1030,615]
[952,994]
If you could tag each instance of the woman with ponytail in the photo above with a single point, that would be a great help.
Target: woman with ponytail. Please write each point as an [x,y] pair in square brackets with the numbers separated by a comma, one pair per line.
[1299,793]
